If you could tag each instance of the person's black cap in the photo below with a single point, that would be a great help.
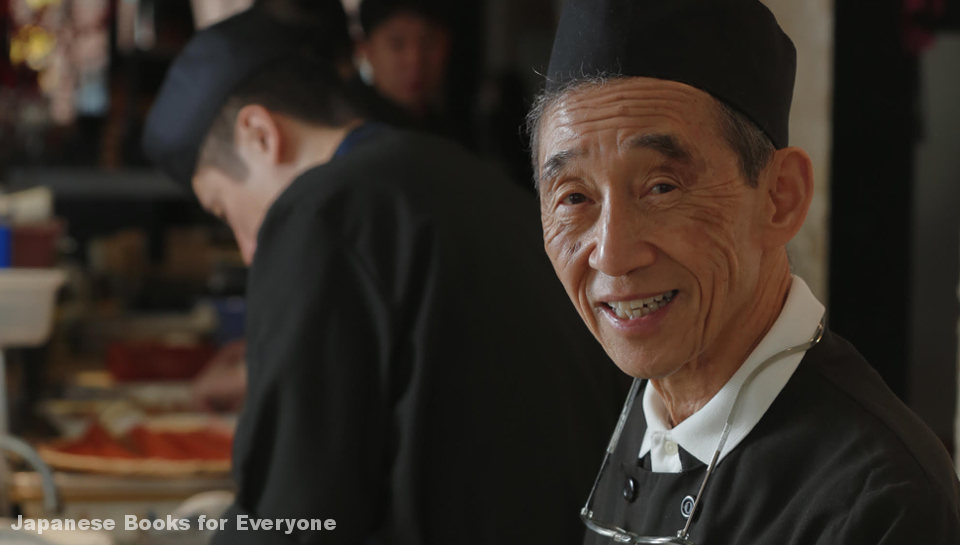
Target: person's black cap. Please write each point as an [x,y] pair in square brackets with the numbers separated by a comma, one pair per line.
[327,18]
[214,62]
[732,49]
[375,12]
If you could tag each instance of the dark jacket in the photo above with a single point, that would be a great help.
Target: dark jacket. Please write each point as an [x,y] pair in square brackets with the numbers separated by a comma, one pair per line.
[837,459]
[416,371]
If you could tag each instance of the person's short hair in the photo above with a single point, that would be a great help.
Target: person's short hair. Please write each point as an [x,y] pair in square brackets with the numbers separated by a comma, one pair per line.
[307,90]
[375,12]
[752,146]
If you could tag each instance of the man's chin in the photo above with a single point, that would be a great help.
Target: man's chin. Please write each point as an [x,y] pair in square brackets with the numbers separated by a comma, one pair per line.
[646,364]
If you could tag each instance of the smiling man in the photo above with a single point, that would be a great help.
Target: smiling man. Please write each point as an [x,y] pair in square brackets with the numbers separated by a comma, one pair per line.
[668,193]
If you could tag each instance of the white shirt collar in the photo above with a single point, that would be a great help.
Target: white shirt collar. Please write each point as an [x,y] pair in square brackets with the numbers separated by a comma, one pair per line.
[700,433]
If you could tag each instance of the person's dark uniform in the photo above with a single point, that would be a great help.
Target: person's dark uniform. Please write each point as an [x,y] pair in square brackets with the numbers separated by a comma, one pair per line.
[837,459]
[416,372]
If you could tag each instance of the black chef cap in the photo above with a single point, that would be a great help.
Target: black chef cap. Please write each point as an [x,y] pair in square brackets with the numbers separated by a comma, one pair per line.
[375,12]
[214,62]
[326,17]
[731,49]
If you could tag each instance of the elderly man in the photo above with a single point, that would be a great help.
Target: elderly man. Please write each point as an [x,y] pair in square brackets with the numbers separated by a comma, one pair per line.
[668,192]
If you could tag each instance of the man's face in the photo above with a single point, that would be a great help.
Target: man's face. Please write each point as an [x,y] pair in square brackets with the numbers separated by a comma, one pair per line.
[408,54]
[648,221]
[235,202]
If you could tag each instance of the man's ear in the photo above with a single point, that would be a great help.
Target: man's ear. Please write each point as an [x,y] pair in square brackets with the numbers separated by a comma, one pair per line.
[789,186]
[257,135]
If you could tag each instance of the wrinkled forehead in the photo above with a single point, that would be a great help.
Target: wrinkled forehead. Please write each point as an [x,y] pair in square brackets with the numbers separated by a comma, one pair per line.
[622,109]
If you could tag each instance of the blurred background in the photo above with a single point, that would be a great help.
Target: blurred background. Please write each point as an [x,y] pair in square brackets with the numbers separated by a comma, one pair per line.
[122,303]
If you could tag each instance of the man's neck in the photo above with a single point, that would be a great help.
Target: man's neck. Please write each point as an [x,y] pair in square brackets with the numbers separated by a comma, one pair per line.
[319,144]
[694,385]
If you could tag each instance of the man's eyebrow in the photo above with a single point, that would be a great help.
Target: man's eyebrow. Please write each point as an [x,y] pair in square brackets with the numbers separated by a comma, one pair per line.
[556,162]
[667,145]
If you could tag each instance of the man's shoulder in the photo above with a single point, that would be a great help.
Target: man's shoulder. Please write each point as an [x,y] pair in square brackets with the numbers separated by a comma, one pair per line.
[859,465]
[352,186]
[399,166]
[398,199]
[860,419]
[388,147]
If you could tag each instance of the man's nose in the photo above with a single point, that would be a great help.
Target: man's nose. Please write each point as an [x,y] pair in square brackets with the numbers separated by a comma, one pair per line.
[247,245]
[247,251]
[622,244]
[415,57]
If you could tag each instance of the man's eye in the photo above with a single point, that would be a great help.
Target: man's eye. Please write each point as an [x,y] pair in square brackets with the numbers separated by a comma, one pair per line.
[660,189]
[574,199]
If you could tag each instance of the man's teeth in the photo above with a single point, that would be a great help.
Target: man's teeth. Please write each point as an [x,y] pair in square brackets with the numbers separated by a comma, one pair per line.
[639,308]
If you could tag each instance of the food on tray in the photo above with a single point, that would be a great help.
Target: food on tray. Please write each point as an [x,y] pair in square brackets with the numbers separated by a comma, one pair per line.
[164,447]
[96,442]
[143,442]
[146,360]
[176,445]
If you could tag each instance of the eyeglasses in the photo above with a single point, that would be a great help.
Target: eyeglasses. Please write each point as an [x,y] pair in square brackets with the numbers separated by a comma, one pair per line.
[619,535]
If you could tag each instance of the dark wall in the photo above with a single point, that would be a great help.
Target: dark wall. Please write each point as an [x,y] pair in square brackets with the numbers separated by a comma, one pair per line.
[936,251]
[895,225]
[875,129]
[466,67]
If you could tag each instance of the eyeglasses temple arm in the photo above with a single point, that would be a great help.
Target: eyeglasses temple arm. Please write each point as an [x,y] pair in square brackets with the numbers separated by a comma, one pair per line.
[622,421]
[618,430]
[682,534]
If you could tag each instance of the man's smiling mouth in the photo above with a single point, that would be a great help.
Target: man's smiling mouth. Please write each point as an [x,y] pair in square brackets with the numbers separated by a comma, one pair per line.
[638,308]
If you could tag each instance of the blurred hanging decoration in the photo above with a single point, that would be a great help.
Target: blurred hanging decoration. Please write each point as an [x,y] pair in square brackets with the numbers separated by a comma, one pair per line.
[30,36]
[66,42]
[33,32]
[136,25]
[89,52]
[32,45]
